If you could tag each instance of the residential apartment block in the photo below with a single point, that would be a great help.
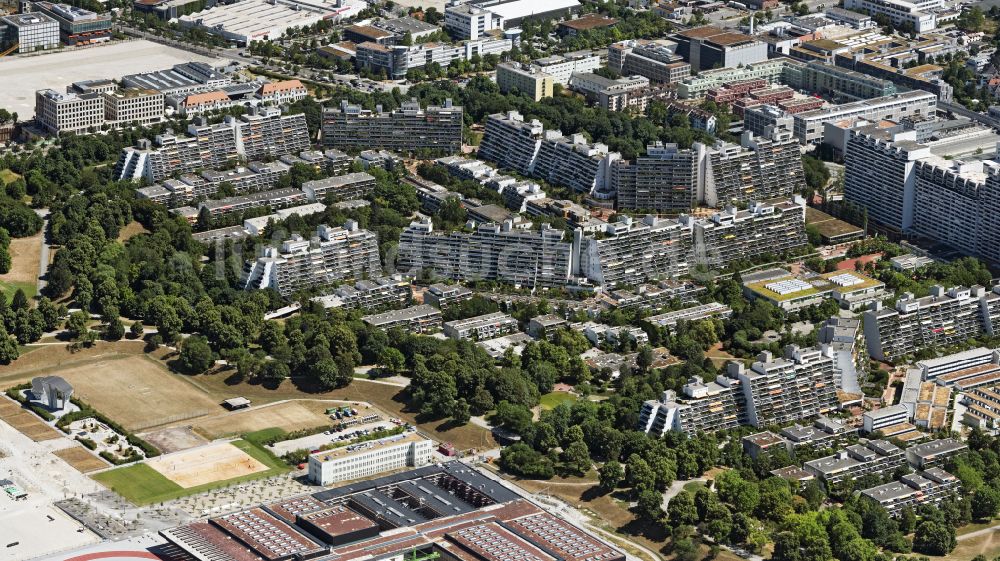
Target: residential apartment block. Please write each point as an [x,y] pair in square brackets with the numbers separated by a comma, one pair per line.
[332,255]
[480,328]
[264,133]
[631,252]
[935,453]
[946,317]
[868,456]
[341,187]
[528,149]
[772,391]
[809,124]
[705,408]
[928,487]
[415,319]
[377,293]
[758,169]
[797,386]
[493,252]
[256,176]
[444,295]
[408,129]
[523,78]
[664,180]
[366,459]
[734,234]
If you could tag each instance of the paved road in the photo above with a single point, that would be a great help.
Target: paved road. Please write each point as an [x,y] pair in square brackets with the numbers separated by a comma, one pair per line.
[978,533]
[43,263]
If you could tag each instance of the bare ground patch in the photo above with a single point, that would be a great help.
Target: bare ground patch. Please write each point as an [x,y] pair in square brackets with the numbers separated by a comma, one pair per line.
[206,464]
[174,439]
[81,460]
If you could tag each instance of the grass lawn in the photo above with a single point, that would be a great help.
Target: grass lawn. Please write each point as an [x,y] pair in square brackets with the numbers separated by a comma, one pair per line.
[553,399]
[7,176]
[8,288]
[142,485]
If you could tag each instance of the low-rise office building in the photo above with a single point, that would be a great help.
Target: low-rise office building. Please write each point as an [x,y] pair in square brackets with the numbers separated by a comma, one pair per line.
[77,26]
[656,60]
[32,31]
[561,67]
[366,459]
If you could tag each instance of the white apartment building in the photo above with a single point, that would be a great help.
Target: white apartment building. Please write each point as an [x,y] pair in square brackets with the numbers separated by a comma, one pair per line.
[631,252]
[366,459]
[482,327]
[332,255]
[900,12]
[884,417]
[561,67]
[917,103]
[468,21]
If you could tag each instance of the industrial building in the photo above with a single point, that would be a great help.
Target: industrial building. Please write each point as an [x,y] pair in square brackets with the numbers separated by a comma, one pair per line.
[409,129]
[264,20]
[445,511]
[332,255]
[181,78]
[712,47]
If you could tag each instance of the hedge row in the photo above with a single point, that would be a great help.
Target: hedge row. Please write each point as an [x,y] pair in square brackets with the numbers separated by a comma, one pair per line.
[15,394]
[88,411]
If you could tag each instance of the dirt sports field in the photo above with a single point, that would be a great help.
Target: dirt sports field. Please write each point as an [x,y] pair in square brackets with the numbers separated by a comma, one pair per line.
[207,464]
[174,439]
[137,392]
[81,460]
[25,421]
[288,416]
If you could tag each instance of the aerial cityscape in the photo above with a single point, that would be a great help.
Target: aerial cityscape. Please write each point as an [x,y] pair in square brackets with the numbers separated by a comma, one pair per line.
[500,280]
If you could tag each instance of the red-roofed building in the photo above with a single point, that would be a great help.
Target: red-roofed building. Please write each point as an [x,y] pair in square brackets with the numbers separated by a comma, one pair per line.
[286,91]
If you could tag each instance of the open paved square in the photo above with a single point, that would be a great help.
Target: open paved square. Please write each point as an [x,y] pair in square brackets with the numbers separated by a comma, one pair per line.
[22,75]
